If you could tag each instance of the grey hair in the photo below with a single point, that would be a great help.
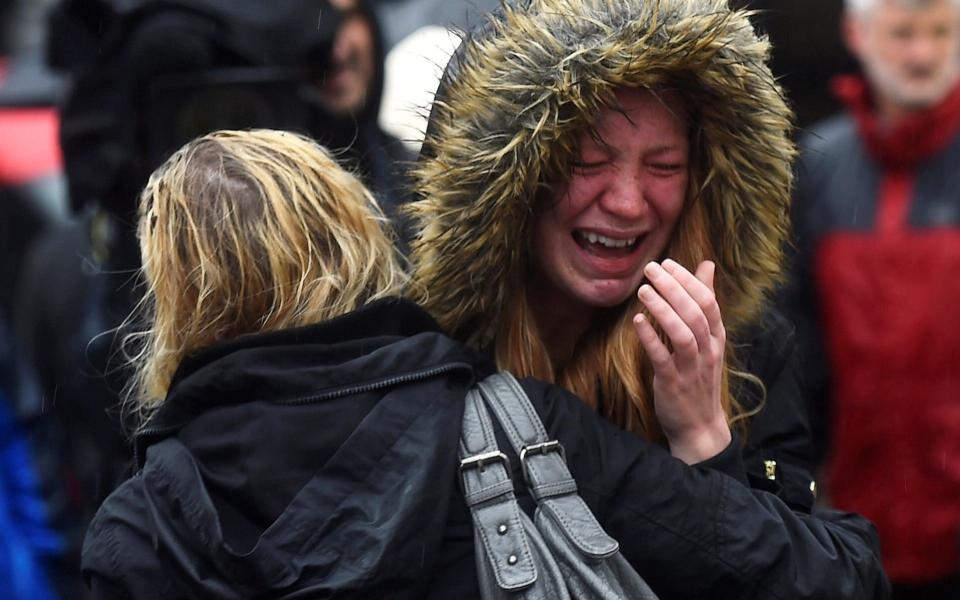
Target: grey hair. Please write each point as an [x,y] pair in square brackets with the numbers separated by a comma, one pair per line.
[862,6]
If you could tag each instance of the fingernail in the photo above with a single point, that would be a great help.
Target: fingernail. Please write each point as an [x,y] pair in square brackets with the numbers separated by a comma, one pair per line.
[651,267]
[670,264]
[645,290]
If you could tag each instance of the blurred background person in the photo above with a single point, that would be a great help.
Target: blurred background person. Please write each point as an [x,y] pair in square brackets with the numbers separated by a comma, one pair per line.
[31,200]
[350,81]
[28,545]
[31,183]
[421,35]
[874,286]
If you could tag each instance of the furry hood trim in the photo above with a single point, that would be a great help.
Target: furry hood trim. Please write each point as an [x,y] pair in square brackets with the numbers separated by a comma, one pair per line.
[520,90]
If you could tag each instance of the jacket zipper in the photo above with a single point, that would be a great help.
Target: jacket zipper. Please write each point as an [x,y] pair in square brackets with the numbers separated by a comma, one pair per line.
[357,389]
[369,387]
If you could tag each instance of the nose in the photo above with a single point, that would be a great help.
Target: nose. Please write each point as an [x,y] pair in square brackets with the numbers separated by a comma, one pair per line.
[625,195]
[923,49]
[341,48]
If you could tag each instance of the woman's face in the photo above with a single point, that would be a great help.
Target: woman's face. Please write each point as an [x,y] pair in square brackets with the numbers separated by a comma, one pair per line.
[619,207]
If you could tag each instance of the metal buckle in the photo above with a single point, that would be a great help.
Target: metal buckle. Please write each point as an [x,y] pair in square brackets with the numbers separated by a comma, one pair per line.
[541,448]
[480,461]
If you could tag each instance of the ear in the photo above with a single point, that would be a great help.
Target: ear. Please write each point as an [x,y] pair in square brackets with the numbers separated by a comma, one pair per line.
[851,30]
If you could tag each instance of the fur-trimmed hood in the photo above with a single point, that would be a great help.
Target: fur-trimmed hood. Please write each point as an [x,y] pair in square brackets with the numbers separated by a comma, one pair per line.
[522,87]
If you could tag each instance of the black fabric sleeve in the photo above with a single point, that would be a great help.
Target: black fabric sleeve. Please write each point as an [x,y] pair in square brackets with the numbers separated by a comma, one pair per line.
[695,533]
[729,461]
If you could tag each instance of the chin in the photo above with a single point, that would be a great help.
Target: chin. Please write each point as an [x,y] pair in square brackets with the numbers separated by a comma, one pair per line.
[915,103]
[608,297]
[919,95]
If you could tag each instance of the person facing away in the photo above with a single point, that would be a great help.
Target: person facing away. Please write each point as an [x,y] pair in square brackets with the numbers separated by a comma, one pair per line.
[149,76]
[301,422]
[600,182]
[877,214]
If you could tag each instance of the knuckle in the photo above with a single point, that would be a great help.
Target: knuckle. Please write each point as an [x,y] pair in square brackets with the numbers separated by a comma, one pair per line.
[658,360]
[701,324]
[685,340]
[712,360]
[707,300]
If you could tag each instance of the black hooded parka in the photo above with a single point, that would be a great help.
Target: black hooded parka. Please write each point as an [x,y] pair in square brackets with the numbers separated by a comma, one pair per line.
[321,462]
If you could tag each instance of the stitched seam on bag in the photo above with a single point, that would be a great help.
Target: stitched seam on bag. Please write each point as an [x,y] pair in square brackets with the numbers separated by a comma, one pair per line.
[536,423]
[560,486]
[474,497]
[486,428]
[581,543]
[507,422]
[520,536]
[557,488]
[484,424]
[539,430]
[537,474]
[514,398]
[499,404]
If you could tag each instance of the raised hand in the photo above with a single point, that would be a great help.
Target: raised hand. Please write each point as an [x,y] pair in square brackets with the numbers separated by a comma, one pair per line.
[687,380]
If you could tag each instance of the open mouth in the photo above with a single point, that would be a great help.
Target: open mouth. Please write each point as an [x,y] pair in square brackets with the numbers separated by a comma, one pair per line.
[606,246]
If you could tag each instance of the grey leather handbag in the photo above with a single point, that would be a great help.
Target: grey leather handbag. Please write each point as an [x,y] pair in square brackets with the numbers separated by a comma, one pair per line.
[563,552]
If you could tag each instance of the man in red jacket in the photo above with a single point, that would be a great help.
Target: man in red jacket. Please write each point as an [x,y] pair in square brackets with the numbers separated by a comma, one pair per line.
[877,217]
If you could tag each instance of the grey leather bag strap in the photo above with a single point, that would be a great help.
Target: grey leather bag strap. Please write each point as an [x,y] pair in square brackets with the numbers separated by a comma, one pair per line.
[488,490]
[544,465]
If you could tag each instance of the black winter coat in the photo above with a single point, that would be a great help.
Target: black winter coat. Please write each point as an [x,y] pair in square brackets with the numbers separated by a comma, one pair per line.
[321,463]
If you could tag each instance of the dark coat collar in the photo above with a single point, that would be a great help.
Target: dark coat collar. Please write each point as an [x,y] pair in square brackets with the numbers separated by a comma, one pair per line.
[381,341]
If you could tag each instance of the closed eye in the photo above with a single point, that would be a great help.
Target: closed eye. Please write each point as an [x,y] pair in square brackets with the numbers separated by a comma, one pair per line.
[668,168]
[585,167]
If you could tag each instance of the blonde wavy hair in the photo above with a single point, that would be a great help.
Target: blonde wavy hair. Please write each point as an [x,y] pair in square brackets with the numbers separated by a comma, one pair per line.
[243,232]
[609,370]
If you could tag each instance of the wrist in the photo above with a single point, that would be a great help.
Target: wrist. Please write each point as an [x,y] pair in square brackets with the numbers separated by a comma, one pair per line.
[698,445]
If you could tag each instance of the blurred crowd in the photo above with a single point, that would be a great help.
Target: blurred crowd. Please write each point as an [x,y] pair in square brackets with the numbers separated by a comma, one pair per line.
[95,94]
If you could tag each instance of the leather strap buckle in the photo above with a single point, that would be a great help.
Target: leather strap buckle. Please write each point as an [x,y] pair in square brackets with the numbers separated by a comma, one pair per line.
[536,449]
[480,461]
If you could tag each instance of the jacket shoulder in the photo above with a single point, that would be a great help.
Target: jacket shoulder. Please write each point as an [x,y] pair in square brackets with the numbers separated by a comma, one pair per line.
[829,136]
[830,146]
[766,345]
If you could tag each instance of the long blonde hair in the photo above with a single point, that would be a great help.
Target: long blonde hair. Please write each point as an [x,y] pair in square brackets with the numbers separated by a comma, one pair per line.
[609,369]
[251,231]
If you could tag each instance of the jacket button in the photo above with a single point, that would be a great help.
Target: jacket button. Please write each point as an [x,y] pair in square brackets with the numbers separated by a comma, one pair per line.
[770,467]
[502,529]
[512,559]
